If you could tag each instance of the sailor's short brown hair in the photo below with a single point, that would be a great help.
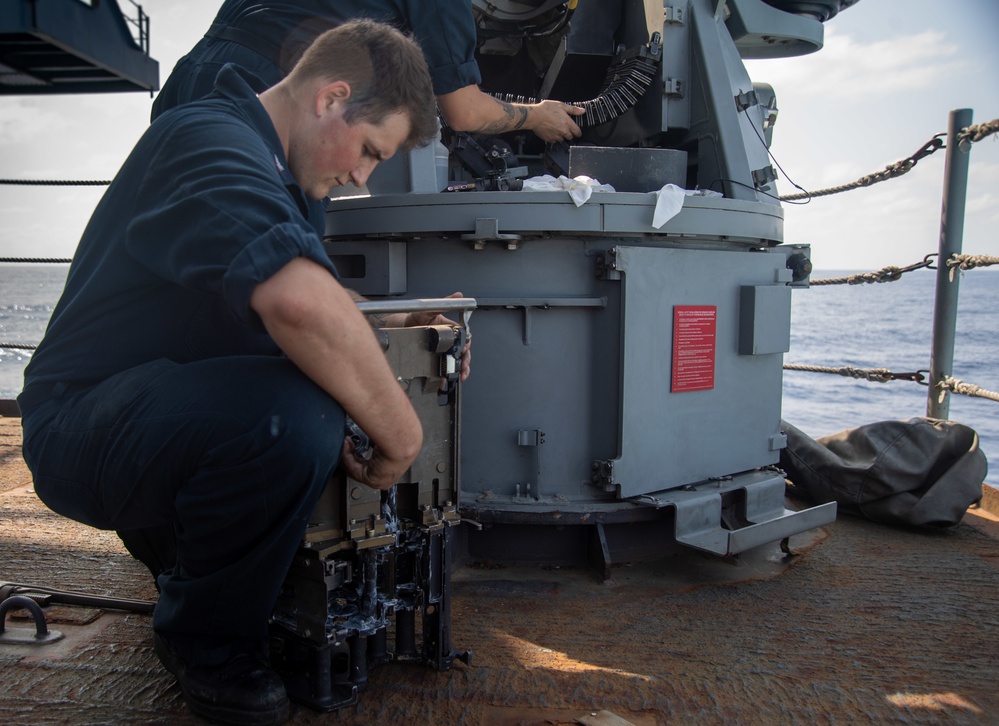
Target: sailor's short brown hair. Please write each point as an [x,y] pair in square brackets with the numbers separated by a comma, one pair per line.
[386,71]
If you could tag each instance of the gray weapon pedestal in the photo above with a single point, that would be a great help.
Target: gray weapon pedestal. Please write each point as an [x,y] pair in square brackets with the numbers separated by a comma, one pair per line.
[626,385]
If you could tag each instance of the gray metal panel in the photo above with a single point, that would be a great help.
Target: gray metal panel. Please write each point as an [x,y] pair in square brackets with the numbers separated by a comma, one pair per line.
[422,213]
[729,149]
[762,31]
[716,221]
[545,347]
[765,319]
[370,267]
[549,352]
[676,71]
[698,219]
[669,439]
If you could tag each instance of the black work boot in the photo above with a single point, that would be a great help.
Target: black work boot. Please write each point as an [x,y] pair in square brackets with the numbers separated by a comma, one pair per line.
[243,690]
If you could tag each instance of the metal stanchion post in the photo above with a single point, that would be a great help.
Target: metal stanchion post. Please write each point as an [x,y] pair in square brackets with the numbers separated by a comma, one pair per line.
[955,194]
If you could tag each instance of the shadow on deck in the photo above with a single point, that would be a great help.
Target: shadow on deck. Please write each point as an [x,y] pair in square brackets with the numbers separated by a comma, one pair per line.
[868,624]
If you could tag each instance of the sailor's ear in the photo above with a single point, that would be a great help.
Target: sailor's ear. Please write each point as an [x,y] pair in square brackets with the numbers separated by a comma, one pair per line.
[330,95]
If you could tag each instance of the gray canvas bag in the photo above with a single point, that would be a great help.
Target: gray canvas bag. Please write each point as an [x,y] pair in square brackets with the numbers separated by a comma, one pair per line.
[922,471]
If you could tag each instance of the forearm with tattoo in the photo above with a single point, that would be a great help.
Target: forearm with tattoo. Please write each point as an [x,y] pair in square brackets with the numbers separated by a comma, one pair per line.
[514,118]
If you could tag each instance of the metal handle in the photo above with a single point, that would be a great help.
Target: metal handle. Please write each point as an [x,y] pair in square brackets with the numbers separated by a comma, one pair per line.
[441,305]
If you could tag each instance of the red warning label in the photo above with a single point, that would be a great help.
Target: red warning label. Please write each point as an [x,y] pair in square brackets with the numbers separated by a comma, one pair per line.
[694,347]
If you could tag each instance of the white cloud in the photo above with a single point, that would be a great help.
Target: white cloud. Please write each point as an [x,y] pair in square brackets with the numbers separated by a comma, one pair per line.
[846,69]
[24,121]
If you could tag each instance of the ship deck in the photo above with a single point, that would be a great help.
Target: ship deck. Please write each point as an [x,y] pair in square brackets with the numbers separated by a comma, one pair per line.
[863,623]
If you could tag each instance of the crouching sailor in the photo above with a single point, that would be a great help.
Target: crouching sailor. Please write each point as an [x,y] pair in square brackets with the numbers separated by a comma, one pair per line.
[199,366]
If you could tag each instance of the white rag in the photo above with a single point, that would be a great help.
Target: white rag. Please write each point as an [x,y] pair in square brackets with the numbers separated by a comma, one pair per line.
[669,201]
[580,188]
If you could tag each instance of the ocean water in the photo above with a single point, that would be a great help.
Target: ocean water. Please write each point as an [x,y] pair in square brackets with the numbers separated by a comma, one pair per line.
[890,325]
[886,325]
[28,294]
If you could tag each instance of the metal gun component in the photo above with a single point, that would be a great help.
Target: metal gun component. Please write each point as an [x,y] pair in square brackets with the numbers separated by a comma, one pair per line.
[628,77]
[660,404]
[491,162]
[362,444]
[373,564]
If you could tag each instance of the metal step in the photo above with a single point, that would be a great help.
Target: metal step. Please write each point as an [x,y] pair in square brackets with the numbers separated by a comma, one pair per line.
[757,499]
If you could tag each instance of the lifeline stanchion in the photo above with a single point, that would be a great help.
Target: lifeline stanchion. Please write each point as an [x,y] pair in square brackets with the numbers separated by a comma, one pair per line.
[955,195]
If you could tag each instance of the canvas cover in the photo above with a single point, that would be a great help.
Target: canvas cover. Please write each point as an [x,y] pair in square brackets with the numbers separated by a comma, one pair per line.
[923,471]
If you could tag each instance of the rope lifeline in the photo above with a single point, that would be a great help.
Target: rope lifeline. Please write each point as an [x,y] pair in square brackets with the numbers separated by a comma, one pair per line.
[35,259]
[967,135]
[969,262]
[55,182]
[891,273]
[883,375]
[977,132]
[968,389]
[889,172]
[18,346]
[875,375]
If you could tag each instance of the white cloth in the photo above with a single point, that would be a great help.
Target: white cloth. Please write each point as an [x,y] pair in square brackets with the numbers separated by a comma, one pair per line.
[669,201]
[580,188]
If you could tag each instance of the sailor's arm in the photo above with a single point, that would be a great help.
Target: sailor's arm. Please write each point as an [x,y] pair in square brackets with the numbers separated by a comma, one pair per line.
[314,321]
[470,109]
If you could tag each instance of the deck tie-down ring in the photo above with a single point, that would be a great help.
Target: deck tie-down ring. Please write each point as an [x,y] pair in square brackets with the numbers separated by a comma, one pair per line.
[25,636]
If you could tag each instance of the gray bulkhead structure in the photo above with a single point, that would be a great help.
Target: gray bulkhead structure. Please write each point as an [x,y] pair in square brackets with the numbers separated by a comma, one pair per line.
[626,387]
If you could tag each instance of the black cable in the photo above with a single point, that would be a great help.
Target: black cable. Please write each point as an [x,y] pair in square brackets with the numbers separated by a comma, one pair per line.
[774,159]
[758,191]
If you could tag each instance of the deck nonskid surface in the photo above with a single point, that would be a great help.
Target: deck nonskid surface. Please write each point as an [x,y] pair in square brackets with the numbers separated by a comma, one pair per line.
[867,624]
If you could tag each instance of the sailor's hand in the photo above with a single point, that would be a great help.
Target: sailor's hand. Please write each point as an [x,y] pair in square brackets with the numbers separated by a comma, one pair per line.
[377,471]
[553,121]
[434,318]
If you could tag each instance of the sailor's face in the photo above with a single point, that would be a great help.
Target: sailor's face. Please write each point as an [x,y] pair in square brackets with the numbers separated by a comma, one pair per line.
[352,151]
[336,152]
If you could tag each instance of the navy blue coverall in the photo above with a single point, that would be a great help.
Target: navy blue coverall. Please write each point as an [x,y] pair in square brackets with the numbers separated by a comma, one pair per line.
[157,397]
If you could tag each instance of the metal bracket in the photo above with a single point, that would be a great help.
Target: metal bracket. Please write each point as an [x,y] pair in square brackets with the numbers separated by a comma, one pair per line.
[673,15]
[605,266]
[699,515]
[534,438]
[603,474]
[762,177]
[746,100]
[673,87]
[486,230]
[25,636]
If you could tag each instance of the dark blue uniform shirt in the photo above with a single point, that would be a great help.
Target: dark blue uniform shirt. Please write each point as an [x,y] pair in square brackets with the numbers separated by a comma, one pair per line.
[269,37]
[203,210]
[444,29]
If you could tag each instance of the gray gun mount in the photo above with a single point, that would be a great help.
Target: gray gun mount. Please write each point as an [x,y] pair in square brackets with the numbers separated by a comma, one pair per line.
[627,390]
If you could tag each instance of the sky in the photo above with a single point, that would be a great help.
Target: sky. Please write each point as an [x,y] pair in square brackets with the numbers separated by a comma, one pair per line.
[885,82]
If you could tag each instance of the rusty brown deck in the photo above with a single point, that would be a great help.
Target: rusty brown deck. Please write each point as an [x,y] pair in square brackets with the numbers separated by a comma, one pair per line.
[869,624]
